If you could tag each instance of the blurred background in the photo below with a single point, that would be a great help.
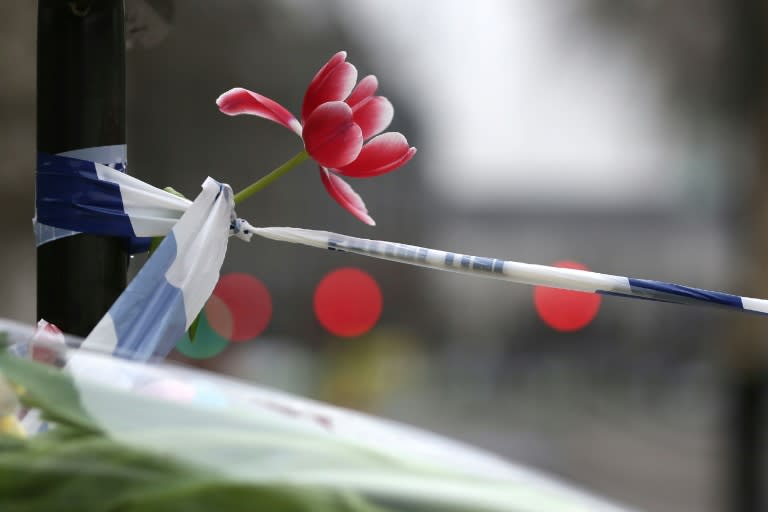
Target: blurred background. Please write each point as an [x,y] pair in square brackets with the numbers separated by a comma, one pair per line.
[628,136]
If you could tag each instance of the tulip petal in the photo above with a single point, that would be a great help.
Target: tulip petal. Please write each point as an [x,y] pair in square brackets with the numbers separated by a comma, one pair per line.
[373,115]
[334,61]
[333,82]
[331,137]
[363,90]
[343,194]
[380,155]
[242,101]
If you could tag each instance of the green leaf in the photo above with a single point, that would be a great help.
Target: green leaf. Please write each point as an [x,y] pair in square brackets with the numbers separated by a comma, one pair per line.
[193,328]
[174,192]
[77,467]
[155,243]
[98,474]
[49,389]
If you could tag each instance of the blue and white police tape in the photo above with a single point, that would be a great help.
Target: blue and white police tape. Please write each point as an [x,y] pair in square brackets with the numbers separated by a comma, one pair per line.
[525,273]
[113,156]
[161,302]
[75,195]
[164,298]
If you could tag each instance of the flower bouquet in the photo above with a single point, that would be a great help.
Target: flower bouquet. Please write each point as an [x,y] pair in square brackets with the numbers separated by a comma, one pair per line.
[121,435]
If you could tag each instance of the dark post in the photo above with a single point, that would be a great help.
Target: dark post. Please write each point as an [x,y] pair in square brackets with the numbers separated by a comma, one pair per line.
[80,104]
[746,376]
[746,415]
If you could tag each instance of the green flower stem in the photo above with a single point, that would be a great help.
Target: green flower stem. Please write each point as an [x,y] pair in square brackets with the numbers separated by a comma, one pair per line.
[269,178]
[155,243]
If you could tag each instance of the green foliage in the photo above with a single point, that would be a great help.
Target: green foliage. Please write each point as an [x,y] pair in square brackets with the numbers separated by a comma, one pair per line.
[117,450]
[93,473]
[193,328]
[48,389]
[78,467]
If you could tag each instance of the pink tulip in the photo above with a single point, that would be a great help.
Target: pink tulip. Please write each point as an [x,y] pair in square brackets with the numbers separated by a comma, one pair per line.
[341,127]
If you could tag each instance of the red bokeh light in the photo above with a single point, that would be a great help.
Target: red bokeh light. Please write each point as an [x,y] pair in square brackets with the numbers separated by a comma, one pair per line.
[219,317]
[348,302]
[566,310]
[240,308]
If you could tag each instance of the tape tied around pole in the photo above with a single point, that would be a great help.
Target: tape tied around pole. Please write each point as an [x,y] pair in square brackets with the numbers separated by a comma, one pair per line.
[75,195]
[87,191]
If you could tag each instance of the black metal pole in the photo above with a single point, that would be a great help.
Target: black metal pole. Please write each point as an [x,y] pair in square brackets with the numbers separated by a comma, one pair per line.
[80,104]
[747,418]
[746,370]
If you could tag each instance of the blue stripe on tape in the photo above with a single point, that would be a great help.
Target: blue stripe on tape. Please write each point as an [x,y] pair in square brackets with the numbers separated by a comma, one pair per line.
[630,296]
[485,264]
[149,317]
[70,195]
[659,290]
